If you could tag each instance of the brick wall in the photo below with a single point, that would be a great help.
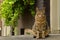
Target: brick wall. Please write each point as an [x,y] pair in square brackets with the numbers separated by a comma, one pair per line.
[0,18]
[0,0]
[0,23]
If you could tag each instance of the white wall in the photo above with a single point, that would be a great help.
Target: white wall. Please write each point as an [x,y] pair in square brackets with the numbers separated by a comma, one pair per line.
[6,31]
[54,15]
[59,13]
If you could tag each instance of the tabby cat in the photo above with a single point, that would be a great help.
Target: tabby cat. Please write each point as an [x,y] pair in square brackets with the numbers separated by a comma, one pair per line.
[40,28]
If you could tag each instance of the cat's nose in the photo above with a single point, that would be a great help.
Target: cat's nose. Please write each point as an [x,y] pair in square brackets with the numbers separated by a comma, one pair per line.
[39,15]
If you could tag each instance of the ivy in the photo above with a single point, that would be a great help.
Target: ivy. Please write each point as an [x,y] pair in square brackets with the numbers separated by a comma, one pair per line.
[11,9]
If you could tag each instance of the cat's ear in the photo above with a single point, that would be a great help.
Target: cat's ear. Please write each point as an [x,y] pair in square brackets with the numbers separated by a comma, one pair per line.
[43,9]
[37,9]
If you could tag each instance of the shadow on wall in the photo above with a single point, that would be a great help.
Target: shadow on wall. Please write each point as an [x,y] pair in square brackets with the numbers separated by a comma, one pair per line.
[28,20]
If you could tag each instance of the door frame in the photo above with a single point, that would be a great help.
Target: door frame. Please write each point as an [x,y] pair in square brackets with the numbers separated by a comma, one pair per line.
[54,23]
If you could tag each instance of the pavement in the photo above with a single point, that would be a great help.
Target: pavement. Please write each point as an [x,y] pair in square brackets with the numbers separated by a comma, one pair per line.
[29,37]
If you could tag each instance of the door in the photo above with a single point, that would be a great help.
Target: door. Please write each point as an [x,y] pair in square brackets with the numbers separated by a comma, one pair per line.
[47,10]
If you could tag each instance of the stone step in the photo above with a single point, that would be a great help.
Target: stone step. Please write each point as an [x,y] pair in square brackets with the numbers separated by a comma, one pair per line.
[29,37]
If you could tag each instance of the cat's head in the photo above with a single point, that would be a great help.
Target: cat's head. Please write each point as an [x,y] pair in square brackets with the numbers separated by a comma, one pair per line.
[40,12]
